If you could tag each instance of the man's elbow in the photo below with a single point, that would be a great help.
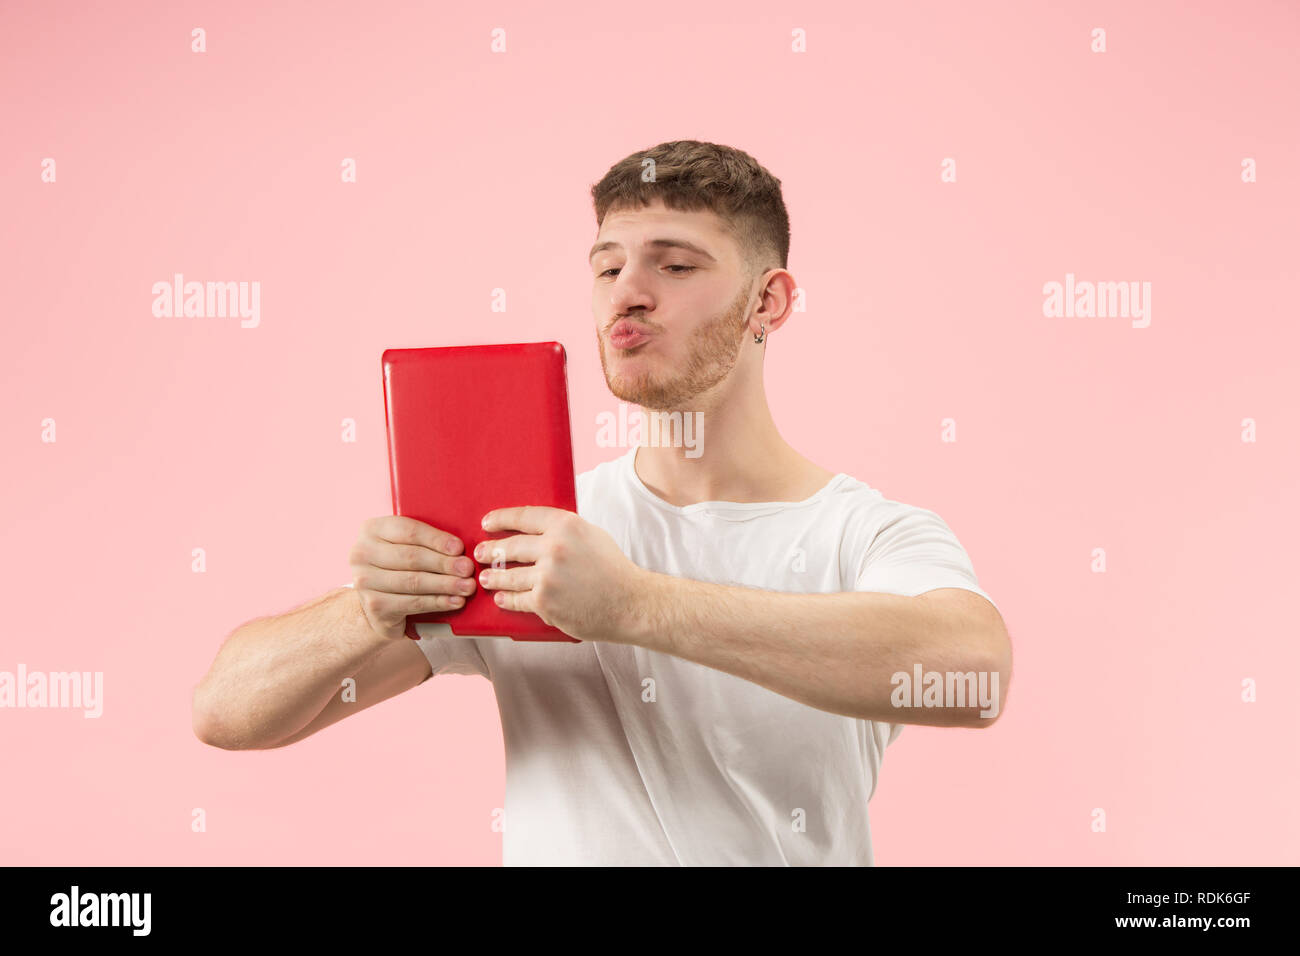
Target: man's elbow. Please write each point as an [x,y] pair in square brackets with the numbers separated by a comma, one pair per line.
[206,729]
[994,678]
[206,732]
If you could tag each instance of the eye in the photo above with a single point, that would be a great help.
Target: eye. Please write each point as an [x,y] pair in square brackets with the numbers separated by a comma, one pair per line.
[686,270]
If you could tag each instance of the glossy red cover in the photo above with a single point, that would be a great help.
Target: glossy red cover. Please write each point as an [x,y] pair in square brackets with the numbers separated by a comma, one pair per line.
[472,428]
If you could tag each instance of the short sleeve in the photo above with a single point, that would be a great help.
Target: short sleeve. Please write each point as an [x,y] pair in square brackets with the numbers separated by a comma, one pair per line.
[914,551]
[451,655]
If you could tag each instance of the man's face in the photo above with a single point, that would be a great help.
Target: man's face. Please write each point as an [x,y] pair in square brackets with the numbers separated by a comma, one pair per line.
[691,304]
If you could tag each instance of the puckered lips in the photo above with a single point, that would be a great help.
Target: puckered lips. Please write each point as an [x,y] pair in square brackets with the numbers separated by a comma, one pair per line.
[627,334]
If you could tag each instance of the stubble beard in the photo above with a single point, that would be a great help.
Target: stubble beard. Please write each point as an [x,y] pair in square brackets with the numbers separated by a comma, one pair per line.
[713,351]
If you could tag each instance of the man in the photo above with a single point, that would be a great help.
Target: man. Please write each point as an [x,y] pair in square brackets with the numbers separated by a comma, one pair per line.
[748,619]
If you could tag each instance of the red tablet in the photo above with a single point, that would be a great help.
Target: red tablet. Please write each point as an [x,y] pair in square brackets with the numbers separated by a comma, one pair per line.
[472,428]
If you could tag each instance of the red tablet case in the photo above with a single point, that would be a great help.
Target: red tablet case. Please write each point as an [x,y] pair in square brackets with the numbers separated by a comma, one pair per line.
[472,428]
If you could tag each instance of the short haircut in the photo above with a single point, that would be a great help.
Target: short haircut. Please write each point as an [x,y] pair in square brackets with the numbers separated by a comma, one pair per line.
[689,175]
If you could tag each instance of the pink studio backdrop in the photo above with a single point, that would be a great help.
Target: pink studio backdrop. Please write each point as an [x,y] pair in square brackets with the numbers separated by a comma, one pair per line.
[925,303]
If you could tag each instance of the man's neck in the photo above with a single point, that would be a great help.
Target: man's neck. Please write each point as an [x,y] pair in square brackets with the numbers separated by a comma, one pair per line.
[741,457]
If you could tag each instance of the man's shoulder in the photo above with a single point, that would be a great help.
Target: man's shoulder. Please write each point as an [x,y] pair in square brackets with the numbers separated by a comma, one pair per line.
[595,483]
[864,499]
[598,473]
[869,517]
[854,499]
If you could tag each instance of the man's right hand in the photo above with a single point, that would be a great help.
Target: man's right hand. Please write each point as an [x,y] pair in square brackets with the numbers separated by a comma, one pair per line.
[402,566]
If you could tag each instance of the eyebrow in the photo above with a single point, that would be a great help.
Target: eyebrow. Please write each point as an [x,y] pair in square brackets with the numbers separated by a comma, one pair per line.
[658,244]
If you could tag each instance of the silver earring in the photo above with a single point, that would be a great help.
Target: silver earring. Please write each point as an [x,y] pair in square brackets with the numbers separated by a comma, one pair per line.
[758,339]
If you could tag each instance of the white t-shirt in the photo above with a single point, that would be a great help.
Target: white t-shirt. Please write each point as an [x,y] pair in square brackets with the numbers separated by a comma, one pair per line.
[708,769]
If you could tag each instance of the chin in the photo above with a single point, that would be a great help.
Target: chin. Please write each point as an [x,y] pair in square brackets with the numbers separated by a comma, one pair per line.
[634,391]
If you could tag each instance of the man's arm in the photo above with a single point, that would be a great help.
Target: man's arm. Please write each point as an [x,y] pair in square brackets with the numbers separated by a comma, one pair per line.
[837,652]
[277,680]
[390,671]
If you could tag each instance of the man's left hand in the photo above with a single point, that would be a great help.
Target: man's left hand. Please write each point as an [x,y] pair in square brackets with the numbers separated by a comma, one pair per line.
[576,577]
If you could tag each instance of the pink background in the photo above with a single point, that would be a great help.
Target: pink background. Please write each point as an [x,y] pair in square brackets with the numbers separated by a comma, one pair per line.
[924,303]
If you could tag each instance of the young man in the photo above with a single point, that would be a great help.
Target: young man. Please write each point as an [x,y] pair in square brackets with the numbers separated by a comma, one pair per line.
[745,615]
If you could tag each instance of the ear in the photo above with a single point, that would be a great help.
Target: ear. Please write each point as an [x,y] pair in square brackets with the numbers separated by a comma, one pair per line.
[776,300]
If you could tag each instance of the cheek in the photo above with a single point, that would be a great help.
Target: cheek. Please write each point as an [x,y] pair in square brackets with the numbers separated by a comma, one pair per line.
[708,302]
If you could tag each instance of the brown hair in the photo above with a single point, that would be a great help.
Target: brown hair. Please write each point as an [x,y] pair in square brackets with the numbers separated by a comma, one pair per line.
[689,175]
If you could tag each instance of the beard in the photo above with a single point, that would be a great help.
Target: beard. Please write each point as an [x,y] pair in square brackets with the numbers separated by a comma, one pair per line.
[713,350]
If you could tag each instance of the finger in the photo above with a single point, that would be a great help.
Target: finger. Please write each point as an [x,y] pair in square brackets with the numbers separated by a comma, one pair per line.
[413,583]
[514,600]
[508,579]
[530,519]
[396,607]
[414,557]
[401,529]
[523,548]
[422,603]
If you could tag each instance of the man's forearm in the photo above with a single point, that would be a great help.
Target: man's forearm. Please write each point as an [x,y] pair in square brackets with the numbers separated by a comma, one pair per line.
[274,675]
[837,652]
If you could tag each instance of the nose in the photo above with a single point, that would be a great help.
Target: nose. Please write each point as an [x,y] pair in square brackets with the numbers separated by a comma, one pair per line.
[627,293]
